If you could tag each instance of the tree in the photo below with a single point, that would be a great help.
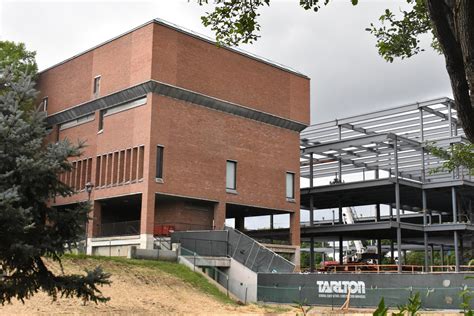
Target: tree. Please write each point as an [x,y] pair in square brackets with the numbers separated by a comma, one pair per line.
[450,21]
[16,56]
[18,60]
[30,229]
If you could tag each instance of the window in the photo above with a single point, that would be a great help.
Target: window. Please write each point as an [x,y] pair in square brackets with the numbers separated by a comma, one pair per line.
[159,162]
[101,120]
[96,86]
[231,178]
[80,120]
[290,186]
[45,104]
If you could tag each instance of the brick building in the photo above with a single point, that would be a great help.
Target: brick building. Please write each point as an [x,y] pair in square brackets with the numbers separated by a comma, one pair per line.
[179,132]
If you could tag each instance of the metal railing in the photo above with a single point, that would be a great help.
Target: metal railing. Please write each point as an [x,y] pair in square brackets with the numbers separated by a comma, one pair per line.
[126,228]
[254,255]
[392,268]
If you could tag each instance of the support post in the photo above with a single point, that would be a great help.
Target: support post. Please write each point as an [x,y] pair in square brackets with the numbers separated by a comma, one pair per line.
[379,251]
[432,254]
[240,223]
[341,250]
[397,203]
[311,223]
[455,220]
[425,234]
[441,254]
[377,213]
[392,251]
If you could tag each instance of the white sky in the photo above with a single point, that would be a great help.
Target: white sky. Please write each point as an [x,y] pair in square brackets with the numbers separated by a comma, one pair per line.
[348,77]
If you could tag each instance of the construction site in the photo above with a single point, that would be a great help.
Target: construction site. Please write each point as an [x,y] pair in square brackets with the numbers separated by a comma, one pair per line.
[380,161]
[176,162]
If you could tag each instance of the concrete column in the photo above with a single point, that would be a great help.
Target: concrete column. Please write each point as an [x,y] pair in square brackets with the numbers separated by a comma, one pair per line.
[219,215]
[240,223]
[147,221]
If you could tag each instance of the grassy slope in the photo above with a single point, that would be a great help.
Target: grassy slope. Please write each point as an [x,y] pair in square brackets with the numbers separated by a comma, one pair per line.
[177,270]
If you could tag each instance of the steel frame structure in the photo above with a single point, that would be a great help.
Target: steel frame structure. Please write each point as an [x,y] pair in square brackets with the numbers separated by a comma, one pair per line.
[393,144]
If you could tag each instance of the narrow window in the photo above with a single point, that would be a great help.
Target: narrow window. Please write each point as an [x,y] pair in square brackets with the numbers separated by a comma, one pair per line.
[159,162]
[231,178]
[96,86]
[141,159]
[101,120]
[290,185]
[45,104]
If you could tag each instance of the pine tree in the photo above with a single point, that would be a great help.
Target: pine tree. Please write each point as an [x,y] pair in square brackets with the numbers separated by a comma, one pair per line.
[30,228]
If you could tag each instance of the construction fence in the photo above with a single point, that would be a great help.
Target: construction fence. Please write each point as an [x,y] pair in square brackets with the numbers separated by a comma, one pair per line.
[437,291]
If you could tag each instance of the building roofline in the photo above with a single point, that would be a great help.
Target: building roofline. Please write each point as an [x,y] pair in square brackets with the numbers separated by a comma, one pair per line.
[189,33]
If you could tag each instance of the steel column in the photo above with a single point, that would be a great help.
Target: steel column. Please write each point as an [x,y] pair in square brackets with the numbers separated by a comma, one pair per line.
[379,251]
[425,234]
[341,250]
[455,220]
[311,212]
[397,203]
[441,254]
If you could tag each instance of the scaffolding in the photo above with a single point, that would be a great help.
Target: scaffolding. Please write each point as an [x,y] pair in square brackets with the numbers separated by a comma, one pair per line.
[391,146]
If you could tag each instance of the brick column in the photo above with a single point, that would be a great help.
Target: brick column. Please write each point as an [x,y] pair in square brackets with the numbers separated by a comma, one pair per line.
[219,215]
[147,219]
[95,220]
[295,238]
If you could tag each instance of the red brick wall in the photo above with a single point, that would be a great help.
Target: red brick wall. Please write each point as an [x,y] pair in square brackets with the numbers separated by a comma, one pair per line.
[198,141]
[183,215]
[121,63]
[188,62]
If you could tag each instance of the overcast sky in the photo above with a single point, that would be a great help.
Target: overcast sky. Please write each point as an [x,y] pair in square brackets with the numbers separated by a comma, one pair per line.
[348,77]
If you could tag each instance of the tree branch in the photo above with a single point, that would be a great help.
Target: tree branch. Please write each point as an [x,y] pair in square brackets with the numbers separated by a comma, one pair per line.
[442,16]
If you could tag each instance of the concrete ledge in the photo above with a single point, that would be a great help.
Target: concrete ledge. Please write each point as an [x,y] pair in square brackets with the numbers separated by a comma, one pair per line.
[153,254]
[221,262]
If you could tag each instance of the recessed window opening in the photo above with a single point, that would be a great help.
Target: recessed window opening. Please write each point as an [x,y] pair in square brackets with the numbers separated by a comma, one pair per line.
[231,175]
[96,87]
[159,161]
[290,185]
[44,105]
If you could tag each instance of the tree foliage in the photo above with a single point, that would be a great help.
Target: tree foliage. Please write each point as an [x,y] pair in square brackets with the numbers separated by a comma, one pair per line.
[30,229]
[400,37]
[458,155]
[17,60]
[450,22]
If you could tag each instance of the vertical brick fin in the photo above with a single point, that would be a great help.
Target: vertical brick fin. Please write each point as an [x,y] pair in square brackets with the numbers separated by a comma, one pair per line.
[141,156]
[134,164]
